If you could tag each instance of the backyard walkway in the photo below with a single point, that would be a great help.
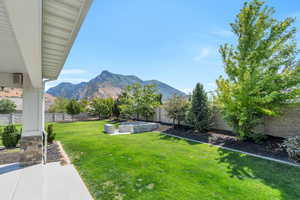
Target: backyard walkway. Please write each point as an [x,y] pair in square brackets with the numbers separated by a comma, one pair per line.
[42,182]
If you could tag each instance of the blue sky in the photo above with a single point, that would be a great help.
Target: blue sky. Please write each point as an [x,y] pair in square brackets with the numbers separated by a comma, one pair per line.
[174,41]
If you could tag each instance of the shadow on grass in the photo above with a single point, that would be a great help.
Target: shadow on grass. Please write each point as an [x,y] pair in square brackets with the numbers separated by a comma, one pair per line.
[175,139]
[278,176]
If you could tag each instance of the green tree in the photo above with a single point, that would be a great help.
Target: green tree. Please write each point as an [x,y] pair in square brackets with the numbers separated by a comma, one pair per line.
[7,106]
[177,107]
[116,111]
[103,108]
[261,69]
[73,108]
[199,115]
[59,105]
[84,104]
[137,100]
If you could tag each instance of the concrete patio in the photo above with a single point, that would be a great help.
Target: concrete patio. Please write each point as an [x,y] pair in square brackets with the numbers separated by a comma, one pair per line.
[42,182]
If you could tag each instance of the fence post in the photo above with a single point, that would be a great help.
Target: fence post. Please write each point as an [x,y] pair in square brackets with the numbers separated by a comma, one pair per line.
[159,114]
[11,118]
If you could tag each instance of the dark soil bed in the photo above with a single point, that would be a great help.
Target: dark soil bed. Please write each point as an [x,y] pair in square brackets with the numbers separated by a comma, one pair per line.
[13,155]
[270,147]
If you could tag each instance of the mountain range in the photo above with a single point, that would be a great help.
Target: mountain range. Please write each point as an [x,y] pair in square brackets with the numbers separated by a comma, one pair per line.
[106,85]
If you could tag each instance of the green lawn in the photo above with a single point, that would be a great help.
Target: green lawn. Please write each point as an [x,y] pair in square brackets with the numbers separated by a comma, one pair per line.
[155,167]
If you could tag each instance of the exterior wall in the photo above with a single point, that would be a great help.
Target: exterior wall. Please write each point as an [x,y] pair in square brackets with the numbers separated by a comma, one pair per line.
[286,125]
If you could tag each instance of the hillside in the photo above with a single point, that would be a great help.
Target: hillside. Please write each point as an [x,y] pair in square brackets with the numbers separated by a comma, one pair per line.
[106,85]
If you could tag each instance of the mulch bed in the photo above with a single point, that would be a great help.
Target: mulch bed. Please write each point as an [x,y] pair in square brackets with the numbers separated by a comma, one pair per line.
[13,155]
[271,147]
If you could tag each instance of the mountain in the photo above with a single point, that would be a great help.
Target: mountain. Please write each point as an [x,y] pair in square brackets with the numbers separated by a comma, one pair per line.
[107,85]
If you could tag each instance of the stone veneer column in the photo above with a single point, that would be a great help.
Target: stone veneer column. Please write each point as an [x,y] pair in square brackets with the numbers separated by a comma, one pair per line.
[31,150]
[32,146]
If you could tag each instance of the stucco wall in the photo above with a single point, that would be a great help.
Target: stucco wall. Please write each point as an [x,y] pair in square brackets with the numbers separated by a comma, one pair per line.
[286,125]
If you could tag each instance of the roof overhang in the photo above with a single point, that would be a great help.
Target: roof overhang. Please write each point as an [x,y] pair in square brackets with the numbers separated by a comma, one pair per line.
[36,36]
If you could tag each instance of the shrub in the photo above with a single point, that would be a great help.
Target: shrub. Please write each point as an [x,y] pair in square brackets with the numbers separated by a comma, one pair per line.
[7,106]
[10,136]
[292,145]
[50,134]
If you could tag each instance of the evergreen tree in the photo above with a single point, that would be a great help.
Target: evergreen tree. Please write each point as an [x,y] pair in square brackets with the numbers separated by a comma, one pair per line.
[263,75]
[199,114]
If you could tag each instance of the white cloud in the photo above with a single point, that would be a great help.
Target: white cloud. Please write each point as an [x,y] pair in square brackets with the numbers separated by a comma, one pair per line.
[203,53]
[73,71]
[206,52]
[222,33]
[187,90]
[210,86]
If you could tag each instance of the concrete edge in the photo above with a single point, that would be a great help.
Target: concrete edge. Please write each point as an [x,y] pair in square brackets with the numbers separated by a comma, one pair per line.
[235,150]
[66,160]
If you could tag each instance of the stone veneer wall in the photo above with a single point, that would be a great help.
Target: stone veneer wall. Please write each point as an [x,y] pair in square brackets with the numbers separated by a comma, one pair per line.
[31,150]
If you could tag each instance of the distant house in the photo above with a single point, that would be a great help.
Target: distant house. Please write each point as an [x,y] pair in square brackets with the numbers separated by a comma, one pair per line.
[16,95]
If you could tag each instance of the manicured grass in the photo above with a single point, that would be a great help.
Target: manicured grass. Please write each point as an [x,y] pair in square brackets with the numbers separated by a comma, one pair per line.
[156,167]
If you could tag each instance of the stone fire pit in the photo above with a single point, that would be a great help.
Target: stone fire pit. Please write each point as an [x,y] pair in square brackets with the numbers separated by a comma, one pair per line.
[131,127]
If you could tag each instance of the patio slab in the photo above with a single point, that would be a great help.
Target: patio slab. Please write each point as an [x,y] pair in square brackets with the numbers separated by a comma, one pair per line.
[42,182]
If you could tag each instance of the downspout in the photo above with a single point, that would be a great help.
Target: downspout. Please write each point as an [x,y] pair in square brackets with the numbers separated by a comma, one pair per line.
[44,130]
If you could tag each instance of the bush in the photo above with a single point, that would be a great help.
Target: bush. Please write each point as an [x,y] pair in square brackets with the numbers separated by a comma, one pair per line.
[10,136]
[50,134]
[292,145]
[7,106]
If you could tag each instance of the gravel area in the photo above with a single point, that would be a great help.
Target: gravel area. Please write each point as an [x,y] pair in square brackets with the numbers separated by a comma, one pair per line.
[271,147]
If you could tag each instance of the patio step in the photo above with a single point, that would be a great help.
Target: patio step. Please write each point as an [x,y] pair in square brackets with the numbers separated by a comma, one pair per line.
[64,183]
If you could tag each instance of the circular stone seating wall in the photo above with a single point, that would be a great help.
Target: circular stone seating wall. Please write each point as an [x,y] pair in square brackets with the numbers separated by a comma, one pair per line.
[137,127]
[131,127]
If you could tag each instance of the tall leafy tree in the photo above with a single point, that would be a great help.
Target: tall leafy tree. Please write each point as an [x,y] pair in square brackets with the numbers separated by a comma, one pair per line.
[59,105]
[262,73]
[7,106]
[73,108]
[101,107]
[199,115]
[177,107]
[137,100]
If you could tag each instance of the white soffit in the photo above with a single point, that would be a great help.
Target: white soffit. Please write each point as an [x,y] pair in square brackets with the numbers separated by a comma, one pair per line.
[61,22]
[10,57]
